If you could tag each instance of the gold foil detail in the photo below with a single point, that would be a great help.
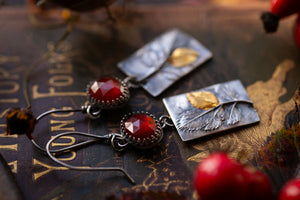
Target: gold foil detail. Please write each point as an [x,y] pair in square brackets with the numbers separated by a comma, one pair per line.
[162,175]
[182,57]
[202,100]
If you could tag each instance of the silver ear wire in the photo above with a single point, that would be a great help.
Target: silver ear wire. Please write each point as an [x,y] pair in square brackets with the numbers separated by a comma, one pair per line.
[110,137]
[92,111]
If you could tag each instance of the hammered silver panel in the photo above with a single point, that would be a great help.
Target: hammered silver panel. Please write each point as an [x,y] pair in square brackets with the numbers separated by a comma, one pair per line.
[148,64]
[235,109]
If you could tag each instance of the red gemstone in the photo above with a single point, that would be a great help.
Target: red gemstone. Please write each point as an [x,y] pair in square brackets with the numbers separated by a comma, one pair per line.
[106,89]
[140,126]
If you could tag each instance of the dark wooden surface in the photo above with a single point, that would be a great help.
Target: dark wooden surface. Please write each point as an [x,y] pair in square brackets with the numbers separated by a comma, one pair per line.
[233,33]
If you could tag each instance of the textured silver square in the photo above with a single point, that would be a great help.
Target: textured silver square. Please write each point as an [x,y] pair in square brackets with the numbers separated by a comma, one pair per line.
[148,64]
[235,109]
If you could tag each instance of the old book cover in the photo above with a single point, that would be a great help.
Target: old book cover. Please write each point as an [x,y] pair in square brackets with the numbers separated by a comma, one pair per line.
[241,50]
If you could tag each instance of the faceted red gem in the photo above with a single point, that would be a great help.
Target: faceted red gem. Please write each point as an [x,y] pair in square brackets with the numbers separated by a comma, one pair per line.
[106,89]
[140,126]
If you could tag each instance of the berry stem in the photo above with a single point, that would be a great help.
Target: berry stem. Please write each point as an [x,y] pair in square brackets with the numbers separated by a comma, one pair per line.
[43,58]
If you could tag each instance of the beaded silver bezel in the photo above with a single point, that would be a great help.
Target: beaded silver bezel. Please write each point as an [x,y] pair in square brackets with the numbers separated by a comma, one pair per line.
[114,103]
[146,142]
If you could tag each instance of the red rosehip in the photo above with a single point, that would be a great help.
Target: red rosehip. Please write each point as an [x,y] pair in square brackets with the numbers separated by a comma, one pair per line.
[291,190]
[259,186]
[297,31]
[284,8]
[219,177]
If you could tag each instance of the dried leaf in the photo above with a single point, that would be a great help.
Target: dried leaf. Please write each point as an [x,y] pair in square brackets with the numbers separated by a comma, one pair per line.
[182,57]
[20,121]
[280,155]
[202,99]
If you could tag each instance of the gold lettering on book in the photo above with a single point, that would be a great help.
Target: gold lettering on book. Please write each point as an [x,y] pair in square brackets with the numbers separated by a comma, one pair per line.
[3,113]
[53,93]
[8,86]
[63,114]
[48,169]
[61,68]
[13,147]
[2,126]
[13,100]
[71,142]
[13,87]
[72,156]
[4,74]
[62,125]
[61,81]
[70,138]
[3,133]
[13,166]
[6,59]
[65,140]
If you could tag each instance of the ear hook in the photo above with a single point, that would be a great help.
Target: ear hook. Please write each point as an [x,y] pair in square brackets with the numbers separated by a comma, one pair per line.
[114,138]
[93,111]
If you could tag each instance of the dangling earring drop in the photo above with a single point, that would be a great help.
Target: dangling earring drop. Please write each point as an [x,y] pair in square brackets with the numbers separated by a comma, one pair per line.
[108,92]
[102,94]
[138,129]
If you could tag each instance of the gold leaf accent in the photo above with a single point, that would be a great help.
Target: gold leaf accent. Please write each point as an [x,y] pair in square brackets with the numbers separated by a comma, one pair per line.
[182,57]
[203,99]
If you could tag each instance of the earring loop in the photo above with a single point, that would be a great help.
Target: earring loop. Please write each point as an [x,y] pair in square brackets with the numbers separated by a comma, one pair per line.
[110,137]
[84,109]
[139,129]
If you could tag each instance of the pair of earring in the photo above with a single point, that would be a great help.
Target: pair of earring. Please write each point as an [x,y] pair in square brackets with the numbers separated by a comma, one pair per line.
[138,129]
[155,67]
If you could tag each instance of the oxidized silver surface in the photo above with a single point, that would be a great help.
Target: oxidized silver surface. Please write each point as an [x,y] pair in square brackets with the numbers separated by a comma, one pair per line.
[235,109]
[149,64]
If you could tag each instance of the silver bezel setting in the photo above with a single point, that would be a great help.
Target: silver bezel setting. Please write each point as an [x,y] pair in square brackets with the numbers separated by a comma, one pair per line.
[146,142]
[114,103]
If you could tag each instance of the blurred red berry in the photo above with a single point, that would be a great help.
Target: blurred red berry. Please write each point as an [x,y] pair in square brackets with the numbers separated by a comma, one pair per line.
[291,190]
[259,186]
[219,177]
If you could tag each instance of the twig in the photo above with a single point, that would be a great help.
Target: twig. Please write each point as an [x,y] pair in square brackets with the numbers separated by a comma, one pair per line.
[42,59]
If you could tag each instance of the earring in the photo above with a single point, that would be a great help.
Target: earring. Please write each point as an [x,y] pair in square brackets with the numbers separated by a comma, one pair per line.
[138,129]
[102,94]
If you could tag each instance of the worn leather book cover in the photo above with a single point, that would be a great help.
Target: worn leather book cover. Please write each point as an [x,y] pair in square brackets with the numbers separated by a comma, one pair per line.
[241,50]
